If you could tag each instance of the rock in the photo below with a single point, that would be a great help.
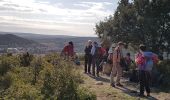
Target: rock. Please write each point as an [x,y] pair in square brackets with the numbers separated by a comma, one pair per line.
[99,83]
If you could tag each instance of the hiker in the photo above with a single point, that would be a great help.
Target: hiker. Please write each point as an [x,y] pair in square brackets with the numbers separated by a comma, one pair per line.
[100,58]
[109,60]
[68,51]
[94,53]
[117,65]
[88,57]
[145,61]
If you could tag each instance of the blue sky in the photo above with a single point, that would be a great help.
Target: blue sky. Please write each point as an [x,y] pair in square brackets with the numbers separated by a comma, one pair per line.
[59,17]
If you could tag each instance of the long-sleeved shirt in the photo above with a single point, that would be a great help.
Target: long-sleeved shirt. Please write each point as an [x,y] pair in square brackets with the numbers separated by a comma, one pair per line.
[117,55]
[93,50]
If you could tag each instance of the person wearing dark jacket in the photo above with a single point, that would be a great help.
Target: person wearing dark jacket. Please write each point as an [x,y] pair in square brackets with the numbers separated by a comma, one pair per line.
[88,57]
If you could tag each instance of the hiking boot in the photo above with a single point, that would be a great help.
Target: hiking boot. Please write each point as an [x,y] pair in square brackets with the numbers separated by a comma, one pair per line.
[112,85]
[120,85]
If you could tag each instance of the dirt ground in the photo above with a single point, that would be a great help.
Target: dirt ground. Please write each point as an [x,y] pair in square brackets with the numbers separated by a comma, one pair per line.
[129,91]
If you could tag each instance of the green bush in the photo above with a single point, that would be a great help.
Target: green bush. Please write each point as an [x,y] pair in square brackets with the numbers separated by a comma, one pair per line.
[22,92]
[6,63]
[61,81]
[5,81]
[164,67]
[47,77]
[25,59]
[84,94]
[37,66]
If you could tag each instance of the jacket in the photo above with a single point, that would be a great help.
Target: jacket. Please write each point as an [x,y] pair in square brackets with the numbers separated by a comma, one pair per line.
[88,50]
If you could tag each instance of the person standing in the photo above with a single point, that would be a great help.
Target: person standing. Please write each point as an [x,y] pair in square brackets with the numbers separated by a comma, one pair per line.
[117,68]
[88,57]
[68,51]
[94,54]
[145,61]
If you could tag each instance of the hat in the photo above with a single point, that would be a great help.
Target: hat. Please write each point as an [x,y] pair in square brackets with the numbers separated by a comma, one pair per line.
[120,43]
[89,41]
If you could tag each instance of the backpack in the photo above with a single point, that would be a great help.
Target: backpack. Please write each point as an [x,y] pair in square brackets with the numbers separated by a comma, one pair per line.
[145,60]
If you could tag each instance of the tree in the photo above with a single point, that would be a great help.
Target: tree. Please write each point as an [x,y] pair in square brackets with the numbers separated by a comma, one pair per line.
[142,21]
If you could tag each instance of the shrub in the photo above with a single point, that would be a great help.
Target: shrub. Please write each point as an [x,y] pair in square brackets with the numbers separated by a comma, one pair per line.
[52,78]
[61,81]
[37,66]
[85,94]
[164,68]
[22,92]
[5,81]
[6,63]
[26,59]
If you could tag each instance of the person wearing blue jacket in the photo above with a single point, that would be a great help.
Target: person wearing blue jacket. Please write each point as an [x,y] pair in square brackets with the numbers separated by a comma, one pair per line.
[94,56]
[145,70]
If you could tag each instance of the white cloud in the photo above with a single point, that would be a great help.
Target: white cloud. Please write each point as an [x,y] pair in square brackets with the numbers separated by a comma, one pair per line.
[36,15]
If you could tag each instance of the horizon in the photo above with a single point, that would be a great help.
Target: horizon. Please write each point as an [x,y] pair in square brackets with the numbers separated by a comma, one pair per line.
[54,17]
[17,33]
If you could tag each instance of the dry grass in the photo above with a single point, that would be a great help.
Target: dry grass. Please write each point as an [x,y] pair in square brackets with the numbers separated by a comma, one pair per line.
[106,92]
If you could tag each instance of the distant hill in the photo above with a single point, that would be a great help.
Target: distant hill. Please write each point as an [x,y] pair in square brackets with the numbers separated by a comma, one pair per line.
[11,40]
[56,42]
[36,36]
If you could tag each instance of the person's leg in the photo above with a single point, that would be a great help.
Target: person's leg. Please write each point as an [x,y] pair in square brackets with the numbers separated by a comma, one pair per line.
[97,66]
[142,82]
[112,75]
[147,83]
[119,74]
[85,63]
[89,63]
[93,65]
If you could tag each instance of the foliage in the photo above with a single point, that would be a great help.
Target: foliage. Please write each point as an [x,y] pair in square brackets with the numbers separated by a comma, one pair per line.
[85,94]
[7,62]
[47,77]
[25,59]
[141,21]
[164,68]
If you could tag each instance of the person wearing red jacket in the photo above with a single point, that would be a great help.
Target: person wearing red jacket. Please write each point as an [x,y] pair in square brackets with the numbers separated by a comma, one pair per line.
[68,50]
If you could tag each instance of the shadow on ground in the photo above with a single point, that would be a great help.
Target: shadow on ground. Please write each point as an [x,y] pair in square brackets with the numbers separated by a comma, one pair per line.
[134,93]
[126,89]
[102,79]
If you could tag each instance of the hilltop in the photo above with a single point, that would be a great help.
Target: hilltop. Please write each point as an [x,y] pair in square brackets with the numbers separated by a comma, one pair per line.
[11,40]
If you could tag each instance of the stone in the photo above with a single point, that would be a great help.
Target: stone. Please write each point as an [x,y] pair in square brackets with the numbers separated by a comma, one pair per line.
[99,83]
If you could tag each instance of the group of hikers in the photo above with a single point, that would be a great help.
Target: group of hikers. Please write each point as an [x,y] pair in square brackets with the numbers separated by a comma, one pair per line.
[97,57]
